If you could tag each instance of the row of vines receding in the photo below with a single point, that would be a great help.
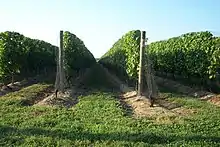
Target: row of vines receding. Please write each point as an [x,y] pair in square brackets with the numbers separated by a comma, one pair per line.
[123,57]
[23,56]
[192,54]
[195,54]
[77,57]
[20,55]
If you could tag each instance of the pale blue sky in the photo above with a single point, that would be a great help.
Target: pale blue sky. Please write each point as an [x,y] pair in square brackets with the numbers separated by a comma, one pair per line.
[99,23]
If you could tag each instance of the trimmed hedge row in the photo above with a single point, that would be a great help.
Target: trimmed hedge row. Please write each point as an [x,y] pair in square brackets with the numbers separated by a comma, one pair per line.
[192,54]
[23,55]
[123,57]
[77,56]
[195,54]
[20,55]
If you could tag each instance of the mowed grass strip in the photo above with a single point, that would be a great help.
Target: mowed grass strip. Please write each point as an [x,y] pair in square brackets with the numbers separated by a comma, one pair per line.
[27,94]
[99,120]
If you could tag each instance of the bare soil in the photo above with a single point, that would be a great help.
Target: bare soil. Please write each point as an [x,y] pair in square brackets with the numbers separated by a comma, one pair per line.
[11,88]
[39,97]
[180,88]
[5,89]
[67,99]
[190,91]
[213,99]
[163,111]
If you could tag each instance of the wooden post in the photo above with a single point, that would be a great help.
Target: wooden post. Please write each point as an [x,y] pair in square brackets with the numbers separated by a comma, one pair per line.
[140,79]
[61,63]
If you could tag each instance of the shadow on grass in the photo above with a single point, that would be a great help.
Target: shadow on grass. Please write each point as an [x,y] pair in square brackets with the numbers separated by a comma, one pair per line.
[8,132]
[112,92]
[169,93]
[37,97]
[46,79]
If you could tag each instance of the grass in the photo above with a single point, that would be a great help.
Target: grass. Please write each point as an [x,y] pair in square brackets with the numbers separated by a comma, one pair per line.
[99,120]
[25,95]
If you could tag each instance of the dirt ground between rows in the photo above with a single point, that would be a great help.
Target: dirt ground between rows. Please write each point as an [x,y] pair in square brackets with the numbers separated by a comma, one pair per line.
[66,99]
[215,100]
[163,111]
[192,92]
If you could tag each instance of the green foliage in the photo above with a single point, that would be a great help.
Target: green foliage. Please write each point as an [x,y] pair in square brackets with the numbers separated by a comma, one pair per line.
[99,120]
[191,54]
[77,56]
[40,55]
[11,53]
[23,55]
[214,68]
[123,57]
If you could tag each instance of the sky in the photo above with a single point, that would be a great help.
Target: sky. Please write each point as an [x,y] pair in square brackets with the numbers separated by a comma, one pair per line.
[100,23]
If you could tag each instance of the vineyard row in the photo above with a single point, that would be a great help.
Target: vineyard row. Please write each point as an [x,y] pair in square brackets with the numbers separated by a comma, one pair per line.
[20,55]
[193,54]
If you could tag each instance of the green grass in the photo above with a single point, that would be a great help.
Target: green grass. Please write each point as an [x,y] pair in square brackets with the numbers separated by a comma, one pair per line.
[23,96]
[99,120]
